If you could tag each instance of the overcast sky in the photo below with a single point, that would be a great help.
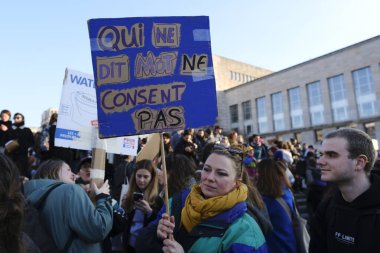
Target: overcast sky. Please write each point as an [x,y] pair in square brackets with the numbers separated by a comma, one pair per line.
[39,39]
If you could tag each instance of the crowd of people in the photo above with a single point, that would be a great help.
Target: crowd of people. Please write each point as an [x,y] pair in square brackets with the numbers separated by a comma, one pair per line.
[226,193]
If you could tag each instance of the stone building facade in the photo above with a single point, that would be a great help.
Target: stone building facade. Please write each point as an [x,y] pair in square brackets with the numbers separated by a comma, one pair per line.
[305,101]
[228,74]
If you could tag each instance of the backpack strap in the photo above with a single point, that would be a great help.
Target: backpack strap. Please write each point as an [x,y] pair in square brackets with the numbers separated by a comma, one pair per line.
[285,206]
[261,216]
[42,199]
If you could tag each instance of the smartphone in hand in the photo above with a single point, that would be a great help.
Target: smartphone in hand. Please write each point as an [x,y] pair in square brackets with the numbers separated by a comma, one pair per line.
[138,196]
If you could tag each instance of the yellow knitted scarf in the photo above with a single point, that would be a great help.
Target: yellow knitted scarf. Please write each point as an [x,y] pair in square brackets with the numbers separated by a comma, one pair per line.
[197,208]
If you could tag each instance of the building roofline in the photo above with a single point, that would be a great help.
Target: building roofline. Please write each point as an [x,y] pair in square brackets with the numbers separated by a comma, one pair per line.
[240,62]
[308,61]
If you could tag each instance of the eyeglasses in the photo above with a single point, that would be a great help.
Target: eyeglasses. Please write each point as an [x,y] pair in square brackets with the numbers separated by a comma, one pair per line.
[232,152]
[18,117]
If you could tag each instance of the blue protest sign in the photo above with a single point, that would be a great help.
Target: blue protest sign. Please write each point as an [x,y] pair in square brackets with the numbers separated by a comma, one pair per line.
[152,74]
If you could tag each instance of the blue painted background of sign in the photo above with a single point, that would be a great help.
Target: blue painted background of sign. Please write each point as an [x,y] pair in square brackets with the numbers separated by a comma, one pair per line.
[152,74]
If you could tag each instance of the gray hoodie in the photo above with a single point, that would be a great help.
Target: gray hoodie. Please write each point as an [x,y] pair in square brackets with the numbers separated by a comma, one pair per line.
[69,211]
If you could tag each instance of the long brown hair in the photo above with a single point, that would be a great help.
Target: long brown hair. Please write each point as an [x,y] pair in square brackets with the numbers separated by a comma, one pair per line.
[151,191]
[272,178]
[11,207]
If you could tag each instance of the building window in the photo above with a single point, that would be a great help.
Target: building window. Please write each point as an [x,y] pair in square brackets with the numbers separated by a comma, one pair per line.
[297,121]
[234,113]
[365,97]
[315,103]
[317,117]
[277,103]
[294,98]
[278,113]
[367,109]
[279,124]
[363,81]
[261,115]
[260,104]
[314,92]
[337,88]
[339,103]
[247,115]
[340,113]
[295,107]
[263,127]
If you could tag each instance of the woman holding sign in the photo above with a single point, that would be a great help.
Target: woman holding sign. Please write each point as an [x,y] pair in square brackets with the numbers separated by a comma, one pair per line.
[141,202]
[213,217]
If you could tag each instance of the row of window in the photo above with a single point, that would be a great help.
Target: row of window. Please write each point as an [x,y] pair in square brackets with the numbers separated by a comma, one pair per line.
[236,76]
[338,90]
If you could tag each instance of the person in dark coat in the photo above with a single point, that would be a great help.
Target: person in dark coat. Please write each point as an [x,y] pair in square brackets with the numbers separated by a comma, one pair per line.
[348,219]
[186,146]
[5,127]
[25,139]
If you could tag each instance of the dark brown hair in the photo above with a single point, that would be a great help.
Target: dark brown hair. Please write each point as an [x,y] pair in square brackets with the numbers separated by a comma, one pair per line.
[181,170]
[11,207]
[272,178]
[358,143]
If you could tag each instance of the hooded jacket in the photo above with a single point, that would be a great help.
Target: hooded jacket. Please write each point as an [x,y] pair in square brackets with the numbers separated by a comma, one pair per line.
[69,213]
[340,226]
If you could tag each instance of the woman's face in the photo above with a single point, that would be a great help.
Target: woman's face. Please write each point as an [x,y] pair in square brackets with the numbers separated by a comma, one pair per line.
[218,176]
[166,140]
[66,175]
[143,178]
[4,117]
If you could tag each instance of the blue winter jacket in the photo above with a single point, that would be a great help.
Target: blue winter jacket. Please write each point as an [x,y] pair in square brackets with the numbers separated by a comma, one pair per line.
[282,238]
[67,211]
